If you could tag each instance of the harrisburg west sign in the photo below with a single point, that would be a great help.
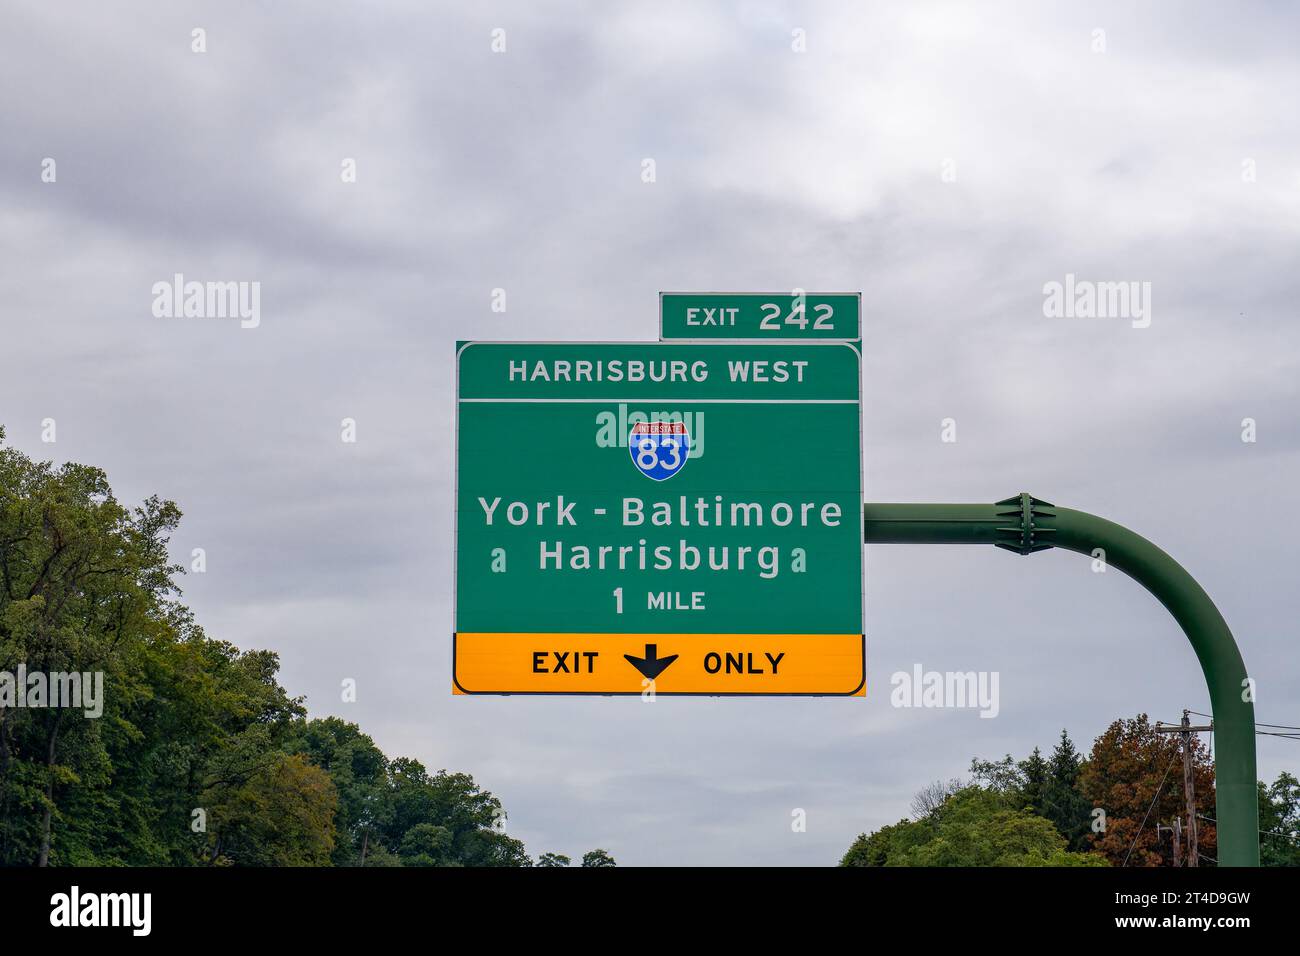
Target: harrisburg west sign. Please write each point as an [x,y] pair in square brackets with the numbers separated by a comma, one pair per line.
[605,544]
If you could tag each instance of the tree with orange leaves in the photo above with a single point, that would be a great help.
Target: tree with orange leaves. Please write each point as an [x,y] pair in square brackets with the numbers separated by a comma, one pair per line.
[1135,776]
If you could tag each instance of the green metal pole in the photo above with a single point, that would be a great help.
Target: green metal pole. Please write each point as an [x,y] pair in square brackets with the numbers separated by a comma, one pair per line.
[1025,525]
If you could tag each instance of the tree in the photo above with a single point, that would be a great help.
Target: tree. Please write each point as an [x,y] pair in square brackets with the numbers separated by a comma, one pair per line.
[931,797]
[976,826]
[1279,822]
[85,587]
[1003,775]
[1033,773]
[597,857]
[553,859]
[889,842]
[1135,776]
[1061,800]
[473,818]
[395,813]
[200,756]
[359,770]
[280,813]
[427,844]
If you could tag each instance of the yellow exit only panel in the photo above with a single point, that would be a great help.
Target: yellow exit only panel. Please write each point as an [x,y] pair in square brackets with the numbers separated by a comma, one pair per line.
[707,664]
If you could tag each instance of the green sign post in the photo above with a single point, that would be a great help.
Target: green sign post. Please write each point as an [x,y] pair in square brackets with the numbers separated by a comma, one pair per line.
[1026,525]
[681,517]
[761,316]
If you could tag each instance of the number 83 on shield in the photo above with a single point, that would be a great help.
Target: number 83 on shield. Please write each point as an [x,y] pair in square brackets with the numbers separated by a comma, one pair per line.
[659,449]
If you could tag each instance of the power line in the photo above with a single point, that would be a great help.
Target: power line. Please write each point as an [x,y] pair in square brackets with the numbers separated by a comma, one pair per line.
[1257,723]
[1281,833]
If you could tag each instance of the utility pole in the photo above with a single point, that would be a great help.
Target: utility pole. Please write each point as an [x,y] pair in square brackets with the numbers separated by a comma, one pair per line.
[1176,832]
[1185,730]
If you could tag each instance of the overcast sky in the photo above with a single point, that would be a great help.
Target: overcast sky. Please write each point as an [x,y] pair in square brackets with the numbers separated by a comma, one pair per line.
[946,160]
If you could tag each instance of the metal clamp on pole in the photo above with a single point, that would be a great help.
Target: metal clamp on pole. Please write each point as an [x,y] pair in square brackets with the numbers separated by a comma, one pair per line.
[1025,525]
[1024,535]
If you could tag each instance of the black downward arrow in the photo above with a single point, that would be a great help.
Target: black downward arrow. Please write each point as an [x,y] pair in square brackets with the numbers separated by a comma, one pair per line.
[652,665]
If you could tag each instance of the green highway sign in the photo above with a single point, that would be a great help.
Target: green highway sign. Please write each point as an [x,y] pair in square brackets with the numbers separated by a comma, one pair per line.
[664,517]
[761,316]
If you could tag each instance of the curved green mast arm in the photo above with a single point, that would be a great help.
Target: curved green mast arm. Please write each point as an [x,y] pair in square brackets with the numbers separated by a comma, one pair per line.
[1025,524]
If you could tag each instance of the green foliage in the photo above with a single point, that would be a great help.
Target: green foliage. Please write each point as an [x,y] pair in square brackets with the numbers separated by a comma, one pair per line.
[426,844]
[597,857]
[280,812]
[976,826]
[1003,775]
[1061,800]
[85,587]
[553,859]
[1046,787]
[359,770]
[470,820]
[1033,774]
[200,757]
[1279,822]
[1038,811]
[892,841]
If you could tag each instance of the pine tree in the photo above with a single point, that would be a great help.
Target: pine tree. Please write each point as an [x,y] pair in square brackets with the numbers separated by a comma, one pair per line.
[1062,801]
[1034,770]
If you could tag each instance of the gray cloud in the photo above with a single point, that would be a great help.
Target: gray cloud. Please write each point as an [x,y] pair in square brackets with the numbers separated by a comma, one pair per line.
[775,170]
